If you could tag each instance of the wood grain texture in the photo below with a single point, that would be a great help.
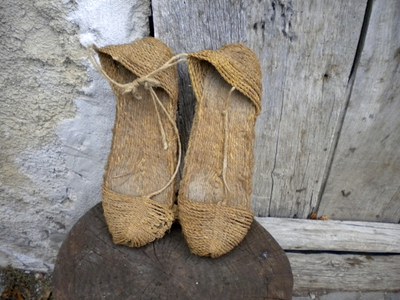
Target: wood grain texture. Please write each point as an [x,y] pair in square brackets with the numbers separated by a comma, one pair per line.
[90,266]
[190,26]
[364,182]
[306,50]
[326,272]
[345,236]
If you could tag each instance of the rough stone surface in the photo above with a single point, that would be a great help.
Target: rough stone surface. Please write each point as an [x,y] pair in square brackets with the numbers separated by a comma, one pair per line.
[56,115]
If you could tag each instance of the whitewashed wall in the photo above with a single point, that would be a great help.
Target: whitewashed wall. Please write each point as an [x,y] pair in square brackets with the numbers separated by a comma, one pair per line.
[56,115]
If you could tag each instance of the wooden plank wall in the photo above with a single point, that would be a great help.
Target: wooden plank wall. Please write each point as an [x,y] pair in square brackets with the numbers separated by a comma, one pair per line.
[308,51]
[364,182]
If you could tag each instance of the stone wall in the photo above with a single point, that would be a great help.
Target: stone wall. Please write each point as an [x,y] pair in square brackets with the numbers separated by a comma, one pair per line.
[56,115]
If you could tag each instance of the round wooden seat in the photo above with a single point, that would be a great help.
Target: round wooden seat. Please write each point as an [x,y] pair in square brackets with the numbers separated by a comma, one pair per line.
[90,266]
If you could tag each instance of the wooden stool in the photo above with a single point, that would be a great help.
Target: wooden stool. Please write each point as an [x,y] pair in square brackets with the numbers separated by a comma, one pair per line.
[90,266]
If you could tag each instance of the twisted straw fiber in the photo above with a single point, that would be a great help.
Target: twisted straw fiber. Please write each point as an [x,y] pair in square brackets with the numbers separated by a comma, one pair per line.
[215,208]
[138,164]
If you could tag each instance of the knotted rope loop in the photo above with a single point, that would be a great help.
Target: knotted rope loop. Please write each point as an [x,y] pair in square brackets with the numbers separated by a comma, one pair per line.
[132,87]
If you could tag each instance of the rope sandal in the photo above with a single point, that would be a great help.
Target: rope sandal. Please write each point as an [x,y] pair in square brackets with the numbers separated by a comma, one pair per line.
[215,208]
[139,181]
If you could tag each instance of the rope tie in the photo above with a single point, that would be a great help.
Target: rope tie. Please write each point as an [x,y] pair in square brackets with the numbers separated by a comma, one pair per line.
[149,83]
[225,113]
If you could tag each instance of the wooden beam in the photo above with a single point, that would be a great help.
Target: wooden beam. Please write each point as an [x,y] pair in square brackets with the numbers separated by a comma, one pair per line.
[346,236]
[332,272]
[359,295]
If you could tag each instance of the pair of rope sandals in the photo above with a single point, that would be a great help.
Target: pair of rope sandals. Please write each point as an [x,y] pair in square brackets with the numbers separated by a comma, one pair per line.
[214,204]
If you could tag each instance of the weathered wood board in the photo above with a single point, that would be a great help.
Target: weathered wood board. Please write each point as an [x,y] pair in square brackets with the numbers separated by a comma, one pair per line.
[344,236]
[306,51]
[359,295]
[364,182]
[347,272]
